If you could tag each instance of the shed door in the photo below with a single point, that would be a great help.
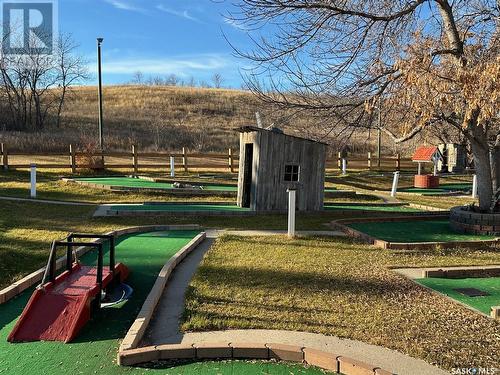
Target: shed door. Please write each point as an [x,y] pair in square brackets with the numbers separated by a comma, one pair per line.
[247,175]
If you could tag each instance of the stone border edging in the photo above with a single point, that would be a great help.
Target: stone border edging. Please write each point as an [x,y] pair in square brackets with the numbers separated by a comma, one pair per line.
[250,351]
[138,328]
[35,277]
[342,225]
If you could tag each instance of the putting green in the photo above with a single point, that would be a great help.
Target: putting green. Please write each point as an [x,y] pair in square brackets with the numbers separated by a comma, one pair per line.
[491,285]
[415,231]
[138,183]
[94,351]
[177,207]
[386,208]
[443,189]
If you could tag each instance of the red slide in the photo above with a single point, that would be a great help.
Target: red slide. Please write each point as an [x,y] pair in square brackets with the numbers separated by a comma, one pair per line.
[59,310]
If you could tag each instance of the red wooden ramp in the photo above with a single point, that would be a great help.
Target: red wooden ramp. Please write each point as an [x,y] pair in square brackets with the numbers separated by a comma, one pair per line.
[59,311]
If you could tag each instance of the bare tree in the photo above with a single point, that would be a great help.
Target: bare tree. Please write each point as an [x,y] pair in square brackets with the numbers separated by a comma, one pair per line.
[71,70]
[217,80]
[35,84]
[432,63]
[138,78]
[172,80]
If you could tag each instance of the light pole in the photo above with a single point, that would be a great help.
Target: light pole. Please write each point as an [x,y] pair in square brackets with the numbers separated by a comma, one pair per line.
[99,73]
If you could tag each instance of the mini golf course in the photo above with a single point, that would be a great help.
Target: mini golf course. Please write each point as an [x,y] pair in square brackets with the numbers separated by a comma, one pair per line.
[371,207]
[444,189]
[456,289]
[132,183]
[228,209]
[415,231]
[95,349]
[139,183]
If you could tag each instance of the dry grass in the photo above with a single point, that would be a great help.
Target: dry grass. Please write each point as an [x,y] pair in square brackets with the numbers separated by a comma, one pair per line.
[169,118]
[340,288]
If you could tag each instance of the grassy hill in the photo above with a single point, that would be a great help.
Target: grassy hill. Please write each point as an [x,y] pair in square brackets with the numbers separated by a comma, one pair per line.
[154,118]
[162,118]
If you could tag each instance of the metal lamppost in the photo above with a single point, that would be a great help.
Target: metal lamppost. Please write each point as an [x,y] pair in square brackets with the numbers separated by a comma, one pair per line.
[99,70]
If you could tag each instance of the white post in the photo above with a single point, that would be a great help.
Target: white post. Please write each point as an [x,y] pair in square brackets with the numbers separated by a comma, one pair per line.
[419,168]
[395,183]
[435,168]
[172,166]
[474,187]
[292,199]
[344,166]
[33,180]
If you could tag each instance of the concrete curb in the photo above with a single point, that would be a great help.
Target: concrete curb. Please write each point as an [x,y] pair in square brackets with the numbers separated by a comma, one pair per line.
[35,277]
[138,328]
[255,351]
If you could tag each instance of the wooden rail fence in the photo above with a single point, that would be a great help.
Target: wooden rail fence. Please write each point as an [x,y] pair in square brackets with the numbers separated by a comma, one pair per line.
[184,160]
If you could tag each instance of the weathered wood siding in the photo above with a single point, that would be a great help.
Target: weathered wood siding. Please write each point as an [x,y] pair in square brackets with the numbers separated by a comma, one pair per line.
[272,151]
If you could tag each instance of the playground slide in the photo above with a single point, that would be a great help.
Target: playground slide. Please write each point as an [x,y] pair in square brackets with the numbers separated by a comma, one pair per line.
[59,310]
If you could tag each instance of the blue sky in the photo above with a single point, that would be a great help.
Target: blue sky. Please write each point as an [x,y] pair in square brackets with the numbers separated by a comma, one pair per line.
[156,37]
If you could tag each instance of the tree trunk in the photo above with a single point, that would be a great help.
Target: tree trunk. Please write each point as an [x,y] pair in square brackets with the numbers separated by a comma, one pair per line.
[495,167]
[483,171]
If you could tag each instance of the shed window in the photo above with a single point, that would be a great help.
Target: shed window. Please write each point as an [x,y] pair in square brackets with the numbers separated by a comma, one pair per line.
[292,173]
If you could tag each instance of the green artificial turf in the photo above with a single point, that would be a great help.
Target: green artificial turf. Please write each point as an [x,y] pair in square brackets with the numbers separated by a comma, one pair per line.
[490,285]
[415,231]
[242,368]
[443,189]
[176,207]
[95,348]
[145,184]
[386,208]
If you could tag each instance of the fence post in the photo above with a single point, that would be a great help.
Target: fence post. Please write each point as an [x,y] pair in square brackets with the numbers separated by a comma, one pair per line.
[398,162]
[135,159]
[339,162]
[369,160]
[231,161]
[184,160]
[5,156]
[72,159]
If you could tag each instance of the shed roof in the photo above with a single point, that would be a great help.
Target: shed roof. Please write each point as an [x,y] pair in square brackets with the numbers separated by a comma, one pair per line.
[426,154]
[250,128]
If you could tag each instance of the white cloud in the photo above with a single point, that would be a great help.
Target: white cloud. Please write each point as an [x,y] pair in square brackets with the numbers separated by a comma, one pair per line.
[183,14]
[123,5]
[182,65]
[236,24]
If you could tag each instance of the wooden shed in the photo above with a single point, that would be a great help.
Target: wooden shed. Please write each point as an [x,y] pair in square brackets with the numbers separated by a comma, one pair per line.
[272,162]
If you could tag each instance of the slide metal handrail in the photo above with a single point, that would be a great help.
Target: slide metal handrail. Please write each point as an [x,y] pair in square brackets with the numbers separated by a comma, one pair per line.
[70,244]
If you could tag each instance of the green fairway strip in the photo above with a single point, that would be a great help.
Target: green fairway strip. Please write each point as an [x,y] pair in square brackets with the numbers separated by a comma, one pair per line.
[490,285]
[415,231]
[386,208]
[243,368]
[443,189]
[96,347]
[145,184]
[177,207]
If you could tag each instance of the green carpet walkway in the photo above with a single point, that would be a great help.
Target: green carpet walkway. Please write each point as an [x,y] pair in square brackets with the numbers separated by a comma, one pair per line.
[443,189]
[491,285]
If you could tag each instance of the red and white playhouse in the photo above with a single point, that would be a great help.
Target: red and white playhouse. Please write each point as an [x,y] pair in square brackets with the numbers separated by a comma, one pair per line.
[427,154]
